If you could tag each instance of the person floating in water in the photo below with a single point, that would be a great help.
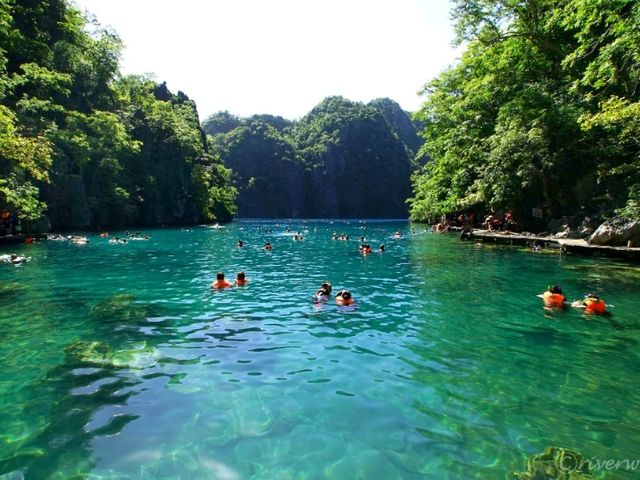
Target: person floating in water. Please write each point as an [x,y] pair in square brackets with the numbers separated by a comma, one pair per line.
[324,293]
[591,304]
[267,246]
[220,282]
[241,279]
[553,297]
[344,298]
[381,248]
[240,244]
[365,249]
[13,258]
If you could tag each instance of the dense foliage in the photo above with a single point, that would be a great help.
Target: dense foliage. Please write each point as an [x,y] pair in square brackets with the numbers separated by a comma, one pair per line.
[541,112]
[87,147]
[343,159]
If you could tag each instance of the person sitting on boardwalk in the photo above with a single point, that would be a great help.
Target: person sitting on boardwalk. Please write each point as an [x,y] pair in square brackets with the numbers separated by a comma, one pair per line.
[241,279]
[220,282]
[553,297]
[591,304]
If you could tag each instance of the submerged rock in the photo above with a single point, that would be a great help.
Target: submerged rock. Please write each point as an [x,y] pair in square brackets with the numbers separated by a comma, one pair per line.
[616,232]
[100,354]
[10,289]
[120,307]
[88,352]
[556,463]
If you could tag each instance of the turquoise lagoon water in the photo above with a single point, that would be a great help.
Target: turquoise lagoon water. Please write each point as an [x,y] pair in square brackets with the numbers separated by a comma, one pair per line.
[119,362]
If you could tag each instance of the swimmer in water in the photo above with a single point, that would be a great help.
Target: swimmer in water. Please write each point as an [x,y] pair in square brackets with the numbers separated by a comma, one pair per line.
[241,279]
[365,249]
[591,304]
[220,282]
[324,293]
[554,297]
[344,298]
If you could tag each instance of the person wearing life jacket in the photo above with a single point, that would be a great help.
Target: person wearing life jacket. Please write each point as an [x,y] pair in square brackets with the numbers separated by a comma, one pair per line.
[554,297]
[220,282]
[365,249]
[593,304]
[241,279]
[267,246]
[344,298]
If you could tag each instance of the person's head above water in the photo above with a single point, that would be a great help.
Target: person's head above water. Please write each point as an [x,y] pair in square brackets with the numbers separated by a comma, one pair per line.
[326,286]
[220,276]
[555,289]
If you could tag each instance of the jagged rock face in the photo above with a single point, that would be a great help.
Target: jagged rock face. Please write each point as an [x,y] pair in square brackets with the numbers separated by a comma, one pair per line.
[365,174]
[616,232]
[343,159]
[68,204]
[399,122]
[267,172]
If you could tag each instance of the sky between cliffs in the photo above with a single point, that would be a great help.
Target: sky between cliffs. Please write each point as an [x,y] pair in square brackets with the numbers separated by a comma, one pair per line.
[282,56]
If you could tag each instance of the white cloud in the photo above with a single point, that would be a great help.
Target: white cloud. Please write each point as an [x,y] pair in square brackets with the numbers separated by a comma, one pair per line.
[282,56]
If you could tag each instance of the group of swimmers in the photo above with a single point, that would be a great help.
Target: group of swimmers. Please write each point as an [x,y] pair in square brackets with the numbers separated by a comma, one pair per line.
[342,236]
[127,236]
[343,297]
[554,297]
[14,258]
[221,282]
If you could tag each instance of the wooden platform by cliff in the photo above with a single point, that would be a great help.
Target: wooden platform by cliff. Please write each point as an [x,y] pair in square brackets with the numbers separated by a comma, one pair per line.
[581,247]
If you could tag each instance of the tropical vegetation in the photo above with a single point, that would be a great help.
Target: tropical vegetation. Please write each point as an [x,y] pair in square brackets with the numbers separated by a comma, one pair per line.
[83,146]
[542,113]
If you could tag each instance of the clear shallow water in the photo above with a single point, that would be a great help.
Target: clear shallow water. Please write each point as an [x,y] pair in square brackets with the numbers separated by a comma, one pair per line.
[119,362]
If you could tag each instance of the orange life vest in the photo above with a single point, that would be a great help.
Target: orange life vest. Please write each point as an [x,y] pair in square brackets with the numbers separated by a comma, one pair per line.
[594,305]
[220,284]
[555,300]
[240,283]
[342,302]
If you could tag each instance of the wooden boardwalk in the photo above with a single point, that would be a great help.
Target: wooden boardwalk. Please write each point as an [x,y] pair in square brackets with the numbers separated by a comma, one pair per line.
[565,245]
